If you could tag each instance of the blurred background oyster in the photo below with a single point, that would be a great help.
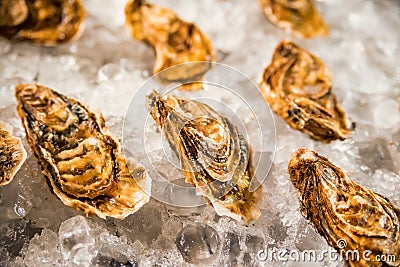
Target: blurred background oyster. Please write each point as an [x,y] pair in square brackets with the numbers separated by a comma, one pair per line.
[299,17]
[46,22]
[174,41]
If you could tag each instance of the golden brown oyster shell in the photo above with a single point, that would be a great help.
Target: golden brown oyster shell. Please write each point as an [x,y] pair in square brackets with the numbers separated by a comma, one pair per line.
[13,12]
[298,87]
[46,22]
[80,158]
[299,17]
[12,154]
[214,156]
[341,210]
[174,41]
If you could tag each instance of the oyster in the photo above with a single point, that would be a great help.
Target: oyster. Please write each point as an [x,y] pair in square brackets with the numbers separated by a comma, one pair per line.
[174,41]
[46,22]
[299,17]
[12,154]
[348,216]
[13,12]
[298,87]
[214,156]
[80,158]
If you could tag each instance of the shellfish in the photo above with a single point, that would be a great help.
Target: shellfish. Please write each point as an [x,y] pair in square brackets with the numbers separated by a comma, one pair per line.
[174,41]
[46,22]
[348,216]
[12,154]
[298,87]
[214,156]
[299,17]
[80,158]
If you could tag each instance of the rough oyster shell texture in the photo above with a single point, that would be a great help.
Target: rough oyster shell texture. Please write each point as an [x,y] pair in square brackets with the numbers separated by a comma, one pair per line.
[298,87]
[299,17]
[46,22]
[341,209]
[80,158]
[12,154]
[174,41]
[214,156]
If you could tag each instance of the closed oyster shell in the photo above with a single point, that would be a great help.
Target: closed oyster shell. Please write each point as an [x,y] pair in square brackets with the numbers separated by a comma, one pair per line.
[299,17]
[12,154]
[340,209]
[46,22]
[214,156]
[80,158]
[13,12]
[174,41]
[298,87]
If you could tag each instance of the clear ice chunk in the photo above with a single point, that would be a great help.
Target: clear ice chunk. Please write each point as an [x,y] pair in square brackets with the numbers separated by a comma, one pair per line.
[144,225]
[198,243]
[77,243]
[375,154]
[43,250]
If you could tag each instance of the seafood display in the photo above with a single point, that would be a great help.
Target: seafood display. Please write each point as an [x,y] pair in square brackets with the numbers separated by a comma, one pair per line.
[12,154]
[299,17]
[214,156]
[298,87]
[207,167]
[80,158]
[348,216]
[46,22]
[174,41]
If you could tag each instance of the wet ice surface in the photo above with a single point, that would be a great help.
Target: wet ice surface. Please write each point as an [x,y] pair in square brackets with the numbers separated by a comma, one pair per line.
[105,68]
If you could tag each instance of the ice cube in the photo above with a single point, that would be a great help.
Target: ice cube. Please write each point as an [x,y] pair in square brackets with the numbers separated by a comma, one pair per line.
[77,244]
[43,250]
[144,225]
[375,154]
[198,243]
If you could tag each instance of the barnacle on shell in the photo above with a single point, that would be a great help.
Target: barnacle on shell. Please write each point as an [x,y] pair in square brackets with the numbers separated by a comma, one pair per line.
[298,87]
[80,158]
[12,154]
[214,155]
[174,41]
[348,216]
[46,22]
[299,17]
